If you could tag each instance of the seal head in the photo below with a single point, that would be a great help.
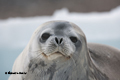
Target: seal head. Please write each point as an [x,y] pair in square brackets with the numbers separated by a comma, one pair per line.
[57,38]
[58,45]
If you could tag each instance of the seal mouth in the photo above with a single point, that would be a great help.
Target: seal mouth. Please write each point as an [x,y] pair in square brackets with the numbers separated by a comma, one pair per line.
[56,53]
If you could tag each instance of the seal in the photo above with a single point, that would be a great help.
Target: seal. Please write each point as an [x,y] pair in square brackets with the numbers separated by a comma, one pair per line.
[58,50]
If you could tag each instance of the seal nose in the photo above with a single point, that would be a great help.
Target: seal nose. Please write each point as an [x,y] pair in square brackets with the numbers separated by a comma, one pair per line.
[58,40]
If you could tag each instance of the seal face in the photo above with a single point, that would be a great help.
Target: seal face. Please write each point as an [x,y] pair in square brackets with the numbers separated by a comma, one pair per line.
[59,38]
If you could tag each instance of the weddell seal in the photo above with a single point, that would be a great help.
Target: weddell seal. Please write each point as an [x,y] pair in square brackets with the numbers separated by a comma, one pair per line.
[58,50]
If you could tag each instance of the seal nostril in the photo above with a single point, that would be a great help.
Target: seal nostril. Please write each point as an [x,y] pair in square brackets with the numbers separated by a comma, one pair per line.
[61,40]
[56,40]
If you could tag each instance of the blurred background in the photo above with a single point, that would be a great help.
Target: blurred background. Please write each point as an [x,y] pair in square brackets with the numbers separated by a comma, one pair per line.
[99,20]
[28,8]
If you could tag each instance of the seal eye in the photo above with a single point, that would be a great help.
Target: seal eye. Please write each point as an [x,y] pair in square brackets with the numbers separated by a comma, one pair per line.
[73,39]
[45,36]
